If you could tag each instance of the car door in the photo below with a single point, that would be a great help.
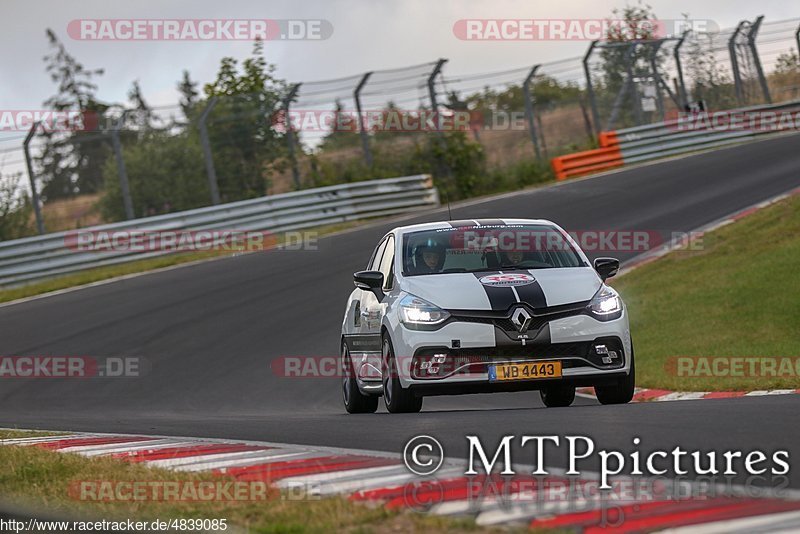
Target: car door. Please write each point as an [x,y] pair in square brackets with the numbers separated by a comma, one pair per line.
[365,346]
[371,308]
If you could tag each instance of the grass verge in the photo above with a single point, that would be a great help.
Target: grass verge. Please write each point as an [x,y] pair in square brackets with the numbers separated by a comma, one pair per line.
[737,295]
[41,480]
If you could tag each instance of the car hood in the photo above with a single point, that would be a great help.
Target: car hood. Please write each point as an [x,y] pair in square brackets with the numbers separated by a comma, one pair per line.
[465,291]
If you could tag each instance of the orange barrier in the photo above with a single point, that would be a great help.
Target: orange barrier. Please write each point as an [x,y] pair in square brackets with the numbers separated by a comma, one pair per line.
[587,162]
[608,139]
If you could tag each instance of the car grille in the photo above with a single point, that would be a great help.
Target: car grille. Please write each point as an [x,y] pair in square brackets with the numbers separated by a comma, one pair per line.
[502,320]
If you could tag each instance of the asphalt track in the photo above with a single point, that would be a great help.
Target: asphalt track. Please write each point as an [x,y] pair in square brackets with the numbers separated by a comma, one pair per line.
[210,331]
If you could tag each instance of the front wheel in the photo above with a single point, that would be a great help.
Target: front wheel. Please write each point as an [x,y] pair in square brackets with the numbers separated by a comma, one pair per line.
[558,396]
[397,399]
[622,391]
[354,400]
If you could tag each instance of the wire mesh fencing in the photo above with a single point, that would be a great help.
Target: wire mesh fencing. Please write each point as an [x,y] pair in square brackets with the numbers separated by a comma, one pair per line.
[434,117]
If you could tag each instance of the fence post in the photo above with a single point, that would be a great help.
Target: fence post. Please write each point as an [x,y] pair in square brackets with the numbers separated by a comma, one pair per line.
[623,92]
[362,122]
[37,209]
[751,42]
[654,48]
[121,172]
[737,77]
[682,95]
[664,84]
[797,38]
[444,168]
[213,187]
[287,102]
[590,89]
[529,112]
[637,103]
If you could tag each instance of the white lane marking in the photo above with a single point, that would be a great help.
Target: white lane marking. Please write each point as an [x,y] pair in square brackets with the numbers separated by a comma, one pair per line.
[256,460]
[366,484]
[45,439]
[145,445]
[772,523]
[682,395]
[202,458]
[769,392]
[384,482]
[340,475]
[89,448]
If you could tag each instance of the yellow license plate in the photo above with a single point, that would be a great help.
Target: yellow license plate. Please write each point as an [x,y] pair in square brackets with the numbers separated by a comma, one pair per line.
[525,371]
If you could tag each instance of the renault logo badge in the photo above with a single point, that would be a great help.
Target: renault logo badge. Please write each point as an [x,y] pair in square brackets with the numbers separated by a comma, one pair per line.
[521,319]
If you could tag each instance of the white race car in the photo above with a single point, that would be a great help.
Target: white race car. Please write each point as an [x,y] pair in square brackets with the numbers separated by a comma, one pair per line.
[483,306]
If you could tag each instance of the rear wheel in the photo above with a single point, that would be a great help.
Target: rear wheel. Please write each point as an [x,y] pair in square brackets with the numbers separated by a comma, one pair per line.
[354,400]
[557,396]
[397,399]
[622,391]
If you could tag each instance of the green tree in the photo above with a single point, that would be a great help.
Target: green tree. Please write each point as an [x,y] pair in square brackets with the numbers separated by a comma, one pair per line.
[188,90]
[16,208]
[627,51]
[244,143]
[165,173]
[72,162]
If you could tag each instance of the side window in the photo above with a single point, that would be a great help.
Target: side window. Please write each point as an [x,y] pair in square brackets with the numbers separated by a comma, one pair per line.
[375,261]
[387,264]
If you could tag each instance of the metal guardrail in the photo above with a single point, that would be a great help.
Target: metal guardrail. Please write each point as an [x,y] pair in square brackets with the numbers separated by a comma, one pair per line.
[36,258]
[665,139]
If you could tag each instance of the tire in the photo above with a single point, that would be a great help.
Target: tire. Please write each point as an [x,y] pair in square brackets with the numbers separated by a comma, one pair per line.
[354,400]
[622,391]
[397,399]
[558,396]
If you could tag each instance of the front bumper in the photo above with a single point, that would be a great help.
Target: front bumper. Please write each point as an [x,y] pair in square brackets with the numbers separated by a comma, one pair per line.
[468,349]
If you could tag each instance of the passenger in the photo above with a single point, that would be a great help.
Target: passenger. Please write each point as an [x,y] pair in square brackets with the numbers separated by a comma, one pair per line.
[512,258]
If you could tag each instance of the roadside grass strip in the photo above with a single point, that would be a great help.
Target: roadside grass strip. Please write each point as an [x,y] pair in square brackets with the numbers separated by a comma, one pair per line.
[318,488]
[721,316]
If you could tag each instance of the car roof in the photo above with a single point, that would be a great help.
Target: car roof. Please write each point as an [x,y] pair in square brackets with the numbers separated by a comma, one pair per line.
[471,223]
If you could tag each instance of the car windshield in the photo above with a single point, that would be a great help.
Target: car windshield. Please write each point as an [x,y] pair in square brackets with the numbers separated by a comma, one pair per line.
[487,248]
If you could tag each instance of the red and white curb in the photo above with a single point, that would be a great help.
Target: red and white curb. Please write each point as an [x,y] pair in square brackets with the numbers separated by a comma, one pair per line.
[654,395]
[382,478]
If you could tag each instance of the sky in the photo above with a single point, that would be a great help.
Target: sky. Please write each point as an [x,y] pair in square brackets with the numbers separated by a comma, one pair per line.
[367,35]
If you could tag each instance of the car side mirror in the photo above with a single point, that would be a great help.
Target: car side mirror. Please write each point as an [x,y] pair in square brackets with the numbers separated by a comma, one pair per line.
[369,281]
[606,267]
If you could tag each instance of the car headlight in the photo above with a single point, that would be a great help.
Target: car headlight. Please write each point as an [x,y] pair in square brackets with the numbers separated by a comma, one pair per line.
[419,312]
[606,304]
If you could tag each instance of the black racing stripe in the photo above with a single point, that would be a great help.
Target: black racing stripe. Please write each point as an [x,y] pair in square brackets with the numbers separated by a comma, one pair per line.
[544,335]
[491,222]
[463,223]
[500,298]
[532,294]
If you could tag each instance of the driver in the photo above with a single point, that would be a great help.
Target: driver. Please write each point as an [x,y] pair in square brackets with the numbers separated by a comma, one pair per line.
[429,257]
